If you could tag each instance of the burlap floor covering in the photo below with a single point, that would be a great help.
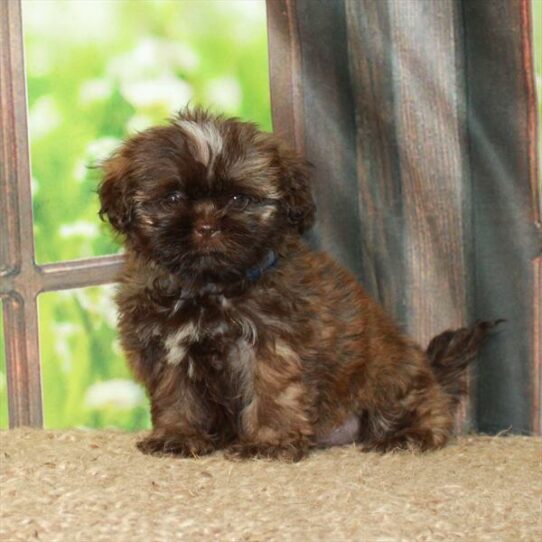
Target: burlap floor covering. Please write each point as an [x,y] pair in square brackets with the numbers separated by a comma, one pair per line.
[95,486]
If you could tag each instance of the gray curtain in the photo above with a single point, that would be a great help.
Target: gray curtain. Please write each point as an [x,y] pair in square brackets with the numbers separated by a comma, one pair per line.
[419,118]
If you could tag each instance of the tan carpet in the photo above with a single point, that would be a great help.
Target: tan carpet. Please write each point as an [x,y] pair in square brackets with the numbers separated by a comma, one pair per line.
[95,486]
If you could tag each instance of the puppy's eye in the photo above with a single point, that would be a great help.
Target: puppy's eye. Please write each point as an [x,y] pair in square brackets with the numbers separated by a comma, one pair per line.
[239,201]
[174,197]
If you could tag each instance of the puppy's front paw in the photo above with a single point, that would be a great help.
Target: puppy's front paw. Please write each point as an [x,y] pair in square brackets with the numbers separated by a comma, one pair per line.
[290,453]
[175,444]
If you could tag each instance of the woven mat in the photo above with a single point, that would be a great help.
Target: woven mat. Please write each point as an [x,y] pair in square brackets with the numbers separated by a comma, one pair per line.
[94,486]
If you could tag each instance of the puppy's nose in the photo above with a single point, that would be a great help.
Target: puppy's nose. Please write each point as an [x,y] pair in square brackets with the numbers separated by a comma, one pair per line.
[206,229]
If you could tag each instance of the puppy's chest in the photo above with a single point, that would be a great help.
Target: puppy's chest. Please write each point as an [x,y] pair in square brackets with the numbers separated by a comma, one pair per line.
[206,334]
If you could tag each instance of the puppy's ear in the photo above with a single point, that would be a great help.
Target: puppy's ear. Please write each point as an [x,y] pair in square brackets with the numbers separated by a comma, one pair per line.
[300,207]
[115,199]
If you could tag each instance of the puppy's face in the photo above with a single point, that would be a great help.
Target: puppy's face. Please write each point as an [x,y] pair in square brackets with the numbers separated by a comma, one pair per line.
[205,194]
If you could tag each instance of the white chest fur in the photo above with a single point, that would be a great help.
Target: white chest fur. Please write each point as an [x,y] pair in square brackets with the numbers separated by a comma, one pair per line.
[177,342]
[233,331]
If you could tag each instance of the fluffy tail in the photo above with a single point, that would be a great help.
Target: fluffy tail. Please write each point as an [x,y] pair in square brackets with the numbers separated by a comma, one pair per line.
[451,352]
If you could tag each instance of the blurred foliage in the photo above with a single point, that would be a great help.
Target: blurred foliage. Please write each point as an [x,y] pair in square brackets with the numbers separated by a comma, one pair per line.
[85,379]
[97,71]
[100,70]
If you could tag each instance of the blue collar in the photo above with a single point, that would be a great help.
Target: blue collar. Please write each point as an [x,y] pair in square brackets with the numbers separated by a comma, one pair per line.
[256,272]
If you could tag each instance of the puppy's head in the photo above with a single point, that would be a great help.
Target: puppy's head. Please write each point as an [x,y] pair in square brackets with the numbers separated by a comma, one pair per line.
[206,194]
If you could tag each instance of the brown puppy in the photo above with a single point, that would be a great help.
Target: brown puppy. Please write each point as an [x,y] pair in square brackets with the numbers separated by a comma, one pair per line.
[245,338]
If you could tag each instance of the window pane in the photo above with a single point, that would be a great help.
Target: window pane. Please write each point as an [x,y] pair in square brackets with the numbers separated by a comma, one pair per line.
[4,421]
[99,70]
[85,380]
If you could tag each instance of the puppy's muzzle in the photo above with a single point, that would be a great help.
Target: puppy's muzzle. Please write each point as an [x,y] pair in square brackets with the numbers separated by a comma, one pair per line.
[205,229]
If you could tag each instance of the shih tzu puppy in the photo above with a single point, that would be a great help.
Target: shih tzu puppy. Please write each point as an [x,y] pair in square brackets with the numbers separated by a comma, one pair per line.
[245,339]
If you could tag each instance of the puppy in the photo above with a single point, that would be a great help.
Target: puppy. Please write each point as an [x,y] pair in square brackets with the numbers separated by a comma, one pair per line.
[245,339]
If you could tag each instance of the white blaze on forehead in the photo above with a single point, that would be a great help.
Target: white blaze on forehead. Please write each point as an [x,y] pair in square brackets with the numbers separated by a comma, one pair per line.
[177,342]
[206,139]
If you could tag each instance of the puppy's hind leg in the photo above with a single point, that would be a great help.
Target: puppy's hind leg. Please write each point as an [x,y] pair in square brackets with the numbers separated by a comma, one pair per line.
[422,420]
[421,415]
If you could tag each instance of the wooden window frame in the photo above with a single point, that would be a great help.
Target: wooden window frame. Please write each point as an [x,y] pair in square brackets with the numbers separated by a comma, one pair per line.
[21,279]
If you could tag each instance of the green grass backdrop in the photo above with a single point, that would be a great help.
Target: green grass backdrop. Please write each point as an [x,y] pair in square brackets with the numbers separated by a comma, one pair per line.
[97,71]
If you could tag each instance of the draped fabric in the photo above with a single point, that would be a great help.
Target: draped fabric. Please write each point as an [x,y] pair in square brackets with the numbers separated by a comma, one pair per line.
[419,119]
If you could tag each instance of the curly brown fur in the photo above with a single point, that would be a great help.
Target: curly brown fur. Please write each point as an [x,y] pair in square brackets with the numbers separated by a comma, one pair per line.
[267,365]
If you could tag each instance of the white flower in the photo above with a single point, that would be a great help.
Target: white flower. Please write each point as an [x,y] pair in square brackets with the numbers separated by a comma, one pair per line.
[80,170]
[184,56]
[225,93]
[147,75]
[137,123]
[98,301]
[118,393]
[44,117]
[153,58]
[167,90]
[64,331]
[80,228]
[94,90]
[101,148]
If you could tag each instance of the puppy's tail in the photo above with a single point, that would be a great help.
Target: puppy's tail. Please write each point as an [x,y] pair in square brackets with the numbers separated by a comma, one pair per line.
[451,352]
